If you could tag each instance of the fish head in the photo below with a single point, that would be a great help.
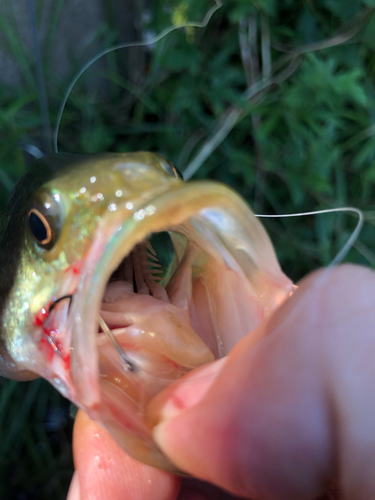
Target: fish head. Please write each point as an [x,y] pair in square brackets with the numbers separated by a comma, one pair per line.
[86,304]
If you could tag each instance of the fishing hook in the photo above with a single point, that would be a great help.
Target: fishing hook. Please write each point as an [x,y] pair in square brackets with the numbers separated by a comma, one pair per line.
[128,365]
[55,302]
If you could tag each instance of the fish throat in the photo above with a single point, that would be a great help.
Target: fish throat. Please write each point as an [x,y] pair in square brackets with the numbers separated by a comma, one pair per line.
[140,273]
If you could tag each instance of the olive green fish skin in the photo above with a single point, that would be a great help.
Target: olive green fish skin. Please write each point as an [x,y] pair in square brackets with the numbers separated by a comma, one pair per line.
[12,239]
[12,236]
[29,275]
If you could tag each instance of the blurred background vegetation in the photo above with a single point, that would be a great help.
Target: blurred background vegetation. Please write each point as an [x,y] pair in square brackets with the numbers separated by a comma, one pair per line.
[275,99]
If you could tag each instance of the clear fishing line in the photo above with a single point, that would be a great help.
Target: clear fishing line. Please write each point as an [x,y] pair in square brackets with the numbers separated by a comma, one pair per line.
[202,24]
[192,24]
[352,238]
[324,286]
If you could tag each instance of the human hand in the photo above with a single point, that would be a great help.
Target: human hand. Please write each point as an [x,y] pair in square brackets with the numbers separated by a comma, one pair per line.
[290,407]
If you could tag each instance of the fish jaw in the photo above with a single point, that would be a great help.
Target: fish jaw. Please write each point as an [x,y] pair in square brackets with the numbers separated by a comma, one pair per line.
[46,350]
[233,248]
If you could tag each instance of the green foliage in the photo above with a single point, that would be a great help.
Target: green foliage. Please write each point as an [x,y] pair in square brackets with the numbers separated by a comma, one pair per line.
[306,142]
[35,441]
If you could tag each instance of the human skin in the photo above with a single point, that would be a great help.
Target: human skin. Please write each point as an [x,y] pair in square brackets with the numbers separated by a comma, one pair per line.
[291,407]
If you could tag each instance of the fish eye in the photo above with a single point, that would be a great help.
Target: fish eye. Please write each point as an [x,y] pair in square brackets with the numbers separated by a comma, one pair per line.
[44,219]
[176,172]
[39,227]
[171,169]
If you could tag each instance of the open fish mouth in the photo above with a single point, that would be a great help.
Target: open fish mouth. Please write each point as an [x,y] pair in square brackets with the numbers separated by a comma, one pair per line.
[137,323]
[125,280]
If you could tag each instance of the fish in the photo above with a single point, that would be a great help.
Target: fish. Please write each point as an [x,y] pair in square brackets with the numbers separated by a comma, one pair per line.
[117,278]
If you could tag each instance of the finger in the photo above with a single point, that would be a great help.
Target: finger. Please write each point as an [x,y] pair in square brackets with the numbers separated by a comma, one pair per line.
[271,420]
[74,491]
[105,471]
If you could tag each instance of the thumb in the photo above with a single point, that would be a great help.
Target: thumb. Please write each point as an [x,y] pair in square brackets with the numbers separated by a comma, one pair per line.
[259,422]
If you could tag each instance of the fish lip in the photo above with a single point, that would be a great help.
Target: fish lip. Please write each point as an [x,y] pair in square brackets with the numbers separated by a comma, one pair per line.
[117,234]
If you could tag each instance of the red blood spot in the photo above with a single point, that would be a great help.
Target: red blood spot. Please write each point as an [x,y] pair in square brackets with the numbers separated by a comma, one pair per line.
[75,269]
[178,402]
[47,331]
[46,348]
[41,316]
[66,360]
[50,349]
[95,407]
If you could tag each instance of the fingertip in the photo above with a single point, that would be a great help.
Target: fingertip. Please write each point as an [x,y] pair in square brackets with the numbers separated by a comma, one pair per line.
[183,394]
[262,426]
[74,489]
[106,471]
[194,441]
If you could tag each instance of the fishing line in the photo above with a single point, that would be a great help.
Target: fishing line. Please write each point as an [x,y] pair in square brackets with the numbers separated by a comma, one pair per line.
[320,294]
[151,41]
[202,24]
[352,238]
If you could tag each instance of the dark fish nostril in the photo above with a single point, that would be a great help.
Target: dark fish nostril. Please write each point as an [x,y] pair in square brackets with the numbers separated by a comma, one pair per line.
[70,297]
